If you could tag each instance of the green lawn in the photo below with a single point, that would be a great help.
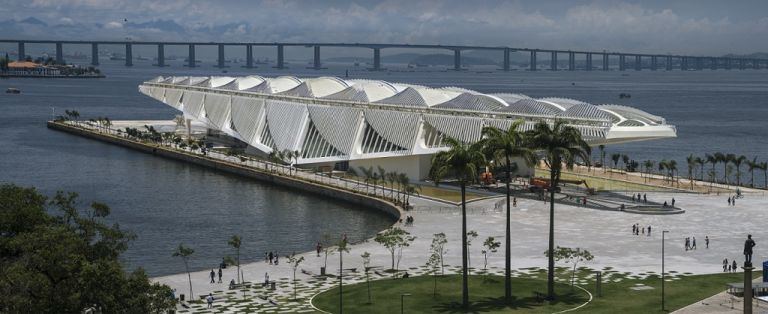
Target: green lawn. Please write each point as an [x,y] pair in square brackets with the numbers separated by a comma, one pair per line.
[486,292]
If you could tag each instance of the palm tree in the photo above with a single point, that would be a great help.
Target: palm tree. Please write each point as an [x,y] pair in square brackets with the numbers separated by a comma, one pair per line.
[672,166]
[691,161]
[751,166]
[505,145]
[615,157]
[712,159]
[648,168]
[729,159]
[383,177]
[663,165]
[701,161]
[602,156]
[720,157]
[764,168]
[561,144]
[738,161]
[462,161]
[367,176]
[625,160]
[236,241]
[185,253]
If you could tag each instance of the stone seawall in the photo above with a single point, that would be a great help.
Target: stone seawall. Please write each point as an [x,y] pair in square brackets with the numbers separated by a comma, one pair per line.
[233,168]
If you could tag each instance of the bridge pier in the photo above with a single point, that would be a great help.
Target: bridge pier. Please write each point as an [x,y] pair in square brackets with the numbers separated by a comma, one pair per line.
[742,64]
[221,57]
[59,53]
[280,57]
[128,55]
[668,63]
[684,63]
[457,60]
[553,61]
[94,54]
[249,56]
[571,61]
[605,62]
[638,63]
[22,53]
[589,62]
[506,64]
[377,59]
[160,55]
[728,64]
[316,63]
[654,63]
[621,62]
[191,57]
[755,64]
[533,60]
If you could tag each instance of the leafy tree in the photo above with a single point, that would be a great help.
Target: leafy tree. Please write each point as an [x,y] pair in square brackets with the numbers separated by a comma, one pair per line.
[561,145]
[236,241]
[462,161]
[502,146]
[438,249]
[490,247]
[615,157]
[434,264]
[60,258]
[625,160]
[394,239]
[185,253]
[341,247]
[294,262]
[602,156]
[573,256]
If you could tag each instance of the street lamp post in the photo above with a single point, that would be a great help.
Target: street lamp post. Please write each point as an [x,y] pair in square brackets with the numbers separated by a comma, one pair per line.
[662,268]
[402,296]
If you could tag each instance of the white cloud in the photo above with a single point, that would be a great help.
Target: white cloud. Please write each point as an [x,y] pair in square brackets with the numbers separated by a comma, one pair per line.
[113,25]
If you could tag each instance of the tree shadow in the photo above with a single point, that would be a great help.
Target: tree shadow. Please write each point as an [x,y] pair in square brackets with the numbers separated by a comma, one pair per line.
[516,303]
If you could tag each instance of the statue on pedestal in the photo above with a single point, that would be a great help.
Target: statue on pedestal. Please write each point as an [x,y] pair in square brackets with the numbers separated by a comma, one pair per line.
[748,245]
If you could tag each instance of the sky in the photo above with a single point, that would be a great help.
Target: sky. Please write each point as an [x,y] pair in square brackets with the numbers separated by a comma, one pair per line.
[696,27]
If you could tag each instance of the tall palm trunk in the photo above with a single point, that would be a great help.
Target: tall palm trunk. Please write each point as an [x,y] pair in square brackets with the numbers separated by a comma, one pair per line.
[465,271]
[551,263]
[508,255]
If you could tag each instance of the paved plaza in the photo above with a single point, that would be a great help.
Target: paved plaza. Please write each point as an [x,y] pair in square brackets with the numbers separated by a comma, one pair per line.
[607,234]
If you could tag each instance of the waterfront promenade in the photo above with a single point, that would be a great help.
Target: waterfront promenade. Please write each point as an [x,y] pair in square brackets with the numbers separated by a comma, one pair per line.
[604,233]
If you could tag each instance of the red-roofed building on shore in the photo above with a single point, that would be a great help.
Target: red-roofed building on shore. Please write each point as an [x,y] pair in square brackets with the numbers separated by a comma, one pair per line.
[31,68]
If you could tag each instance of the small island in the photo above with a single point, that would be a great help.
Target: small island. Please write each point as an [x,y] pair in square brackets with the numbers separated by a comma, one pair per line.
[46,68]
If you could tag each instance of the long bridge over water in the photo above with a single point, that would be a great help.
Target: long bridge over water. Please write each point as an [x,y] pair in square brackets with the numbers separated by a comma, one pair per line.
[594,60]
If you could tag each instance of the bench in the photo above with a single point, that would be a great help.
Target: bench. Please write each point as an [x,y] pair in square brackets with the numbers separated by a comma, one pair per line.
[237,286]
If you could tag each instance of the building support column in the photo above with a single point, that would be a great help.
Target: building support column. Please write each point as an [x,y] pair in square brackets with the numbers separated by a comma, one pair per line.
[505,65]
[553,61]
[128,55]
[457,60]
[221,56]
[248,56]
[280,58]
[533,60]
[22,52]
[94,54]
[160,55]
[191,62]
[59,53]
[377,59]
[621,62]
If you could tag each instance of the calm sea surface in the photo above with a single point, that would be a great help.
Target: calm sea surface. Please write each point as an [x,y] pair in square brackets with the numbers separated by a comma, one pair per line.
[166,202]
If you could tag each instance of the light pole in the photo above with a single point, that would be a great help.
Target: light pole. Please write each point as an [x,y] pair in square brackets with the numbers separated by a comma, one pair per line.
[663,232]
[402,296]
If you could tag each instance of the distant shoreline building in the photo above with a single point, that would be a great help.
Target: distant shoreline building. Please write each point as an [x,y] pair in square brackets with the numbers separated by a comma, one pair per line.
[365,123]
[30,68]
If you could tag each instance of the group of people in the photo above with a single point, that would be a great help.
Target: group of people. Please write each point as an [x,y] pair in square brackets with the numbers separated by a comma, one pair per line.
[636,230]
[667,204]
[272,258]
[730,268]
[408,220]
[213,275]
[636,198]
[732,200]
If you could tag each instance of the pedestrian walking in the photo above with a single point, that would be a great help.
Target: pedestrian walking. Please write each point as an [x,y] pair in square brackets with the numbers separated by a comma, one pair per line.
[266,257]
[643,230]
[318,248]
[645,198]
[694,243]
[271,256]
[277,259]
[735,266]
[266,279]
[220,274]
[634,227]
[729,268]
[673,202]
[514,202]
[729,201]
[649,231]
[706,241]
[687,243]
[213,275]
[725,264]
[733,201]
[209,298]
